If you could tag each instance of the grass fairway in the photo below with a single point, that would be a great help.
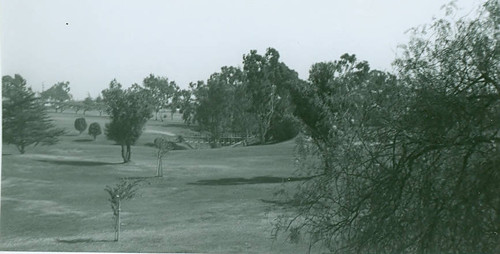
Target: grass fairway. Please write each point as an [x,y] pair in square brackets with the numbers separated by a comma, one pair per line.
[53,197]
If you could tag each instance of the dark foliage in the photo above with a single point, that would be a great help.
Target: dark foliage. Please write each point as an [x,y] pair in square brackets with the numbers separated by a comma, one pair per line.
[80,124]
[129,111]
[95,130]
[24,118]
[407,165]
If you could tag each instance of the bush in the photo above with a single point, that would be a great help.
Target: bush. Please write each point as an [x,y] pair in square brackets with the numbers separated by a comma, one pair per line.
[80,124]
[283,128]
[94,130]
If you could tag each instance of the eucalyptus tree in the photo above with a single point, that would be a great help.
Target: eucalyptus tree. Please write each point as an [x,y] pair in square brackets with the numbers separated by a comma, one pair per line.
[161,91]
[186,107]
[267,81]
[216,102]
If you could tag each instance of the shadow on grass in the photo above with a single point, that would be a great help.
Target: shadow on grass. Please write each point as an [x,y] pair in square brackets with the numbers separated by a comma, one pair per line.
[70,135]
[141,178]
[83,240]
[78,163]
[83,140]
[180,125]
[254,180]
[286,203]
[177,146]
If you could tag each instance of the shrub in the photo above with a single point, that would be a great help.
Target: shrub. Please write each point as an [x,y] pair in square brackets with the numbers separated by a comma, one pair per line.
[95,130]
[283,128]
[80,124]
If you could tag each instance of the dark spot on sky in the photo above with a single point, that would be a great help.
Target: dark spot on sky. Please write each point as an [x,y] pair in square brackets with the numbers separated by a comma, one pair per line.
[67,23]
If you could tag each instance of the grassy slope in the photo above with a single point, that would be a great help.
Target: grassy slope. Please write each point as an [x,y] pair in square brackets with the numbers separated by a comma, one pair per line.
[208,201]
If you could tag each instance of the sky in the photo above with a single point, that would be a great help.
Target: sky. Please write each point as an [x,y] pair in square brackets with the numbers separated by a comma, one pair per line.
[91,42]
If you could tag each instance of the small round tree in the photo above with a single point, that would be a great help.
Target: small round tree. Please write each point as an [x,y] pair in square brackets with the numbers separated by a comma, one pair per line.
[80,124]
[95,130]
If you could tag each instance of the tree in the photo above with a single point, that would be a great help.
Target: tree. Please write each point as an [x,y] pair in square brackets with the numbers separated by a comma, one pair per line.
[80,124]
[161,92]
[124,190]
[267,81]
[175,102]
[99,105]
[88,104]
[163,146]
[25,120]
[186,104]
[129,111]
[75,105]
[216,101]
[421,177]
[261,91]
[95,130]
[344,152]
[58,94]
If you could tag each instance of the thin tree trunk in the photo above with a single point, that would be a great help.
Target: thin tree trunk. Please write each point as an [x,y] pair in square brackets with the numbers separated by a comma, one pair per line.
[123,154]
[21,149]
[160,167]
[158,164]
[117,237]
[246,137]
[262,135]
[129,153]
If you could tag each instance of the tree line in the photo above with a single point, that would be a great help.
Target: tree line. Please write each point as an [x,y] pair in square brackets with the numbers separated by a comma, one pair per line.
[249,101]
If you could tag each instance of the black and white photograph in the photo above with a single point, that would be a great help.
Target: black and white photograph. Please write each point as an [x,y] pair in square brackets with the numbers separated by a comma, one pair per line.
[250,126]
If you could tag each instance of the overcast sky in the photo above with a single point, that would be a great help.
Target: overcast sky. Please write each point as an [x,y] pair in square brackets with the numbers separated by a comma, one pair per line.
[90,42]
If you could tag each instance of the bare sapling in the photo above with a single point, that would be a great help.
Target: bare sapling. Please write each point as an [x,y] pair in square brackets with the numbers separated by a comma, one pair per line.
[124,190]
[163,146]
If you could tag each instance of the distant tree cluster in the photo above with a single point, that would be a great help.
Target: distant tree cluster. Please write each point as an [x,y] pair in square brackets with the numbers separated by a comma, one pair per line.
[57,96]
[163,93]
[254,100]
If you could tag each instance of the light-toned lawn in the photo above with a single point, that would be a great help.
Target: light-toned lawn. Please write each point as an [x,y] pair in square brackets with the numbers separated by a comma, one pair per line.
[53,197]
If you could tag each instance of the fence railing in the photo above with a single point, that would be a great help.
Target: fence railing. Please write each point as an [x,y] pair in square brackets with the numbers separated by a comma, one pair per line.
[206,140]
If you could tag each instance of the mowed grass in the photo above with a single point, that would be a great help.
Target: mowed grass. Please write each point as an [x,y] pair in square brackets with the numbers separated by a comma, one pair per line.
[53,198]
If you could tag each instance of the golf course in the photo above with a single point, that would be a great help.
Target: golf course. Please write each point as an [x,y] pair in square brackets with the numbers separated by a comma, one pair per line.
[208,200]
